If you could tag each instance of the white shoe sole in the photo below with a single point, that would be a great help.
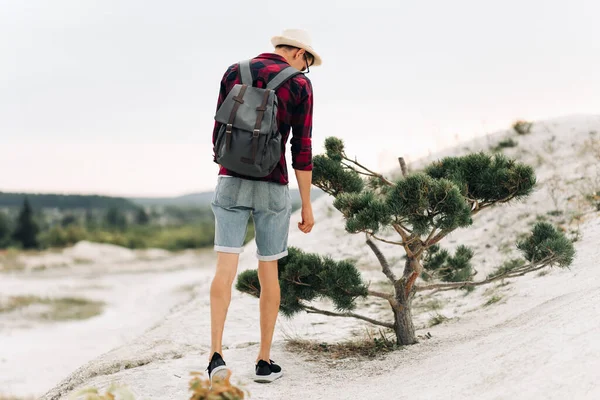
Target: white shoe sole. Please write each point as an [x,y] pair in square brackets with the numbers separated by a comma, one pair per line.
[268,378]
[219,374]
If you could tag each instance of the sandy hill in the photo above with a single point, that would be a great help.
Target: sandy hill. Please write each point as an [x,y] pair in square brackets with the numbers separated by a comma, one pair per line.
[537,339]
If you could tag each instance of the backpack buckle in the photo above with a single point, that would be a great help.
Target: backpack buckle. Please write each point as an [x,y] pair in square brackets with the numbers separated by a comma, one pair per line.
[255,133]
[229,128]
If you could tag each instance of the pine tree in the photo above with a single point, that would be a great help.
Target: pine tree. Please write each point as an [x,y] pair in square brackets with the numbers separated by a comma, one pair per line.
[116,219]
[422,208]
[68,219]
[26,230]
[142,217]
[90,220]
[4,231]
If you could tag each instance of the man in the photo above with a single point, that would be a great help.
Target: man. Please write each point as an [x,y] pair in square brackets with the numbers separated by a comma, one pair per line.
[267,198]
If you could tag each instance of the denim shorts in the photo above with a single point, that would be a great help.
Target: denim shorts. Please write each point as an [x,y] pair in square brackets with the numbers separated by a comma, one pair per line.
[269,204]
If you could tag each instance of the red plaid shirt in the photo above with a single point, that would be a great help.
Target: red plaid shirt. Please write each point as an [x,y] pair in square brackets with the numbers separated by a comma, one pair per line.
[295,111]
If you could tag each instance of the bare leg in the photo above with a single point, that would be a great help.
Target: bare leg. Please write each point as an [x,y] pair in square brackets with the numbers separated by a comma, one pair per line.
[220,297]
[270,297]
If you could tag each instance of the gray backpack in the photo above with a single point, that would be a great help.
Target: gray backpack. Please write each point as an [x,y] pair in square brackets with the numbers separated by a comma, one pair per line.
[248,141]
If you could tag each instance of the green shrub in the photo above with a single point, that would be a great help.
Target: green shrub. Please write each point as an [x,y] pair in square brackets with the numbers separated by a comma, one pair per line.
[62,236]
[506,143]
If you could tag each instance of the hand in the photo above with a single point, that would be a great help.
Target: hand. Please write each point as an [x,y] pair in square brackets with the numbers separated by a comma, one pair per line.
[308,220]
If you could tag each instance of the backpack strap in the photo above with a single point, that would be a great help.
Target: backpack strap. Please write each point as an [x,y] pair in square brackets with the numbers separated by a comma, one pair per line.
[245,73]
[239,100]
[259,119]
[282,77]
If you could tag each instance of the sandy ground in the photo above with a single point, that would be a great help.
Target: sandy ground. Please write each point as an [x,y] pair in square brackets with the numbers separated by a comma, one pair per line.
[538,341]
[139,290]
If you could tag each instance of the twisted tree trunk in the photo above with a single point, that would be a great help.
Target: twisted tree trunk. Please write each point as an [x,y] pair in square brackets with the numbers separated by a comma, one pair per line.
[404,293]
[403,323]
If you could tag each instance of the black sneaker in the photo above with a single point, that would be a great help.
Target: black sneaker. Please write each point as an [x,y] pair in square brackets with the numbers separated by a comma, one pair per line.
[267,372]
[217,369]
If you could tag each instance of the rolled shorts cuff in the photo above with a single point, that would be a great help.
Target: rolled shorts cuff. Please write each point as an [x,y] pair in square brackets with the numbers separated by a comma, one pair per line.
[273,257]
[232,250]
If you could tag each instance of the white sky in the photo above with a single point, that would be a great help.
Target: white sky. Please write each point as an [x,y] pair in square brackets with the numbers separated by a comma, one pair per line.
[118,96]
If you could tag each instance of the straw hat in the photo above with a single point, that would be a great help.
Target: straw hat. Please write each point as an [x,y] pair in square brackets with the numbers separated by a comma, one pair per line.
[297,38]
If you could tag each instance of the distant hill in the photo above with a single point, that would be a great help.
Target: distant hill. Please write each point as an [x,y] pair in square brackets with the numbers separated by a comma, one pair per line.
[188,200]
[65,202]
[203,199]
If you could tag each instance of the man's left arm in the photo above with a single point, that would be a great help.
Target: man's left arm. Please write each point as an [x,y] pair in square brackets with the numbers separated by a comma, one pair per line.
[301,147]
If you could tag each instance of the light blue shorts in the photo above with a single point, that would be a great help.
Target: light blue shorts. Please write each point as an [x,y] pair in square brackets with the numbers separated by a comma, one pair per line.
[269,204]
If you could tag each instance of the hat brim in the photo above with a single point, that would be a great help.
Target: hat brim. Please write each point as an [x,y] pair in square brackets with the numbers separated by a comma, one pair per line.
[286,41]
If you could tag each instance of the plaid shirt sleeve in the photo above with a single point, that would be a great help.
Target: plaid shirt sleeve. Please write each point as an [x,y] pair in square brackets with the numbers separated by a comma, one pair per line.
[301,142]
[226,84]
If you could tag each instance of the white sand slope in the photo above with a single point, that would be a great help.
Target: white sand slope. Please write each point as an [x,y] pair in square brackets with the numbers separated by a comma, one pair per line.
[541,340]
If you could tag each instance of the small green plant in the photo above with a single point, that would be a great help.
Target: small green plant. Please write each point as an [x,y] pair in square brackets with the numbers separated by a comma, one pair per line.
[594,199]
[522,127]
[504,144]
[575,235]
[494,299]
[437,319]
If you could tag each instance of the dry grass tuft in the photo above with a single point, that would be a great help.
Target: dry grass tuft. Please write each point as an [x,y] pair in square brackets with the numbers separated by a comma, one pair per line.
[522,127]
[366,347]
[9,261]
[220,390]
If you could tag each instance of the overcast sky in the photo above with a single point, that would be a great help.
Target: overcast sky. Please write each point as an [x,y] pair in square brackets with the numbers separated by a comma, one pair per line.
[118,96]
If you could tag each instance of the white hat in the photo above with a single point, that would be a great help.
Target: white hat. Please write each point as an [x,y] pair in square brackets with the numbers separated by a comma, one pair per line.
[297,38]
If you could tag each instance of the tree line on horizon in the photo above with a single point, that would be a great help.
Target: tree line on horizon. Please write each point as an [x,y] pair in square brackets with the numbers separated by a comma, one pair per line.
[171,228]
[65,201]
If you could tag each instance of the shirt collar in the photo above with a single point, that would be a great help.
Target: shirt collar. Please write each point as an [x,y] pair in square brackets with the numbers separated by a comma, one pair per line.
[273,56]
